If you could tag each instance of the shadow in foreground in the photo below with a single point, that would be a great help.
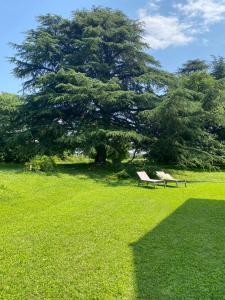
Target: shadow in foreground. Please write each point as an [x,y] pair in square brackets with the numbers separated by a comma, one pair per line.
[184,256]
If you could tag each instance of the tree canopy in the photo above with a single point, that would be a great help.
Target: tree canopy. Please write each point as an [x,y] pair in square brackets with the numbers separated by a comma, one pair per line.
[101,43]
[192,66]
[90,78]
[218,67]
[90,85]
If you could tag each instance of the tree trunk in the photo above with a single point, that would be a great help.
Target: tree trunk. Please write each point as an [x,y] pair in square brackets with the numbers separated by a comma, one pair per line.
[100,157]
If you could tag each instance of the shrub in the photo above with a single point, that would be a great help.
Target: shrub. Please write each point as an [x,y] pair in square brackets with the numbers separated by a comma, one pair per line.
[41,163]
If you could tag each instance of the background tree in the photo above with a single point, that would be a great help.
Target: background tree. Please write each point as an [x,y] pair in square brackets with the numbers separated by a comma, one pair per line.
[218,67]
[192,66]
[186,127]
[10,106]
[68,109]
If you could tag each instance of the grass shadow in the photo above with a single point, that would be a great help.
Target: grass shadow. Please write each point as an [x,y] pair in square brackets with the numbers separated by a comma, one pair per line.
[12,167]
[106,174]
[183,257]
[109,175]
[123,174]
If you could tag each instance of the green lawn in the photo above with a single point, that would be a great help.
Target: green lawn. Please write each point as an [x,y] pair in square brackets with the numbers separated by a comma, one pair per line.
[84,234]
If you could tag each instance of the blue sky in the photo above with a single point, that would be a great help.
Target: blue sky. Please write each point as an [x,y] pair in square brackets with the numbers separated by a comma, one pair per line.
[176,30]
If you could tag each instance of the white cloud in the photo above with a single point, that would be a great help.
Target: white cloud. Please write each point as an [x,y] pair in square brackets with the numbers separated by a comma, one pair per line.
[164,31]
[210,11]
[184,22]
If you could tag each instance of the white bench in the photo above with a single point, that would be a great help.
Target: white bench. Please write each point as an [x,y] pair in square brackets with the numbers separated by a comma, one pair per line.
[168,178]
[143,177]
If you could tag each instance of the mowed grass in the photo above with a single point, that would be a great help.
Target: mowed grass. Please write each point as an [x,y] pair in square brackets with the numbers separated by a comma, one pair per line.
[83,234]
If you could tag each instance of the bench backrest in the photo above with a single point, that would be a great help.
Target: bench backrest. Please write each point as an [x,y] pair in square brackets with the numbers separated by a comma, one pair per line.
[143,175]
[164,176]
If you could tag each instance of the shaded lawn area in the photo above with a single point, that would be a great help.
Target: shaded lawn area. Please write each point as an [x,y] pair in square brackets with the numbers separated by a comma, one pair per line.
[183,257]
[83,234]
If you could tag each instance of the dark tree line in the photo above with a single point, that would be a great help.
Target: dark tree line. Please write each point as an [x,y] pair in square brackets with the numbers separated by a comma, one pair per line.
[91,86]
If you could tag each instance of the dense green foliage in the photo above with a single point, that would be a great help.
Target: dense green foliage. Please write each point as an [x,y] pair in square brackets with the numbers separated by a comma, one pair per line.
[188,125]
[41,163]
[91,87]
[78,112]
[218,67]
[10,107]
[84,234]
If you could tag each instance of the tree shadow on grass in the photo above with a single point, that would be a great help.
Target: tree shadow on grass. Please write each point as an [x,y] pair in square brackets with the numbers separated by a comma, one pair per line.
[88,169]
[184,256]
[106,174]
[12,167]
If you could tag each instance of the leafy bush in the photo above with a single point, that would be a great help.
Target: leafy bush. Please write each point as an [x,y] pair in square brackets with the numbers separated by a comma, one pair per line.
[41,163]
